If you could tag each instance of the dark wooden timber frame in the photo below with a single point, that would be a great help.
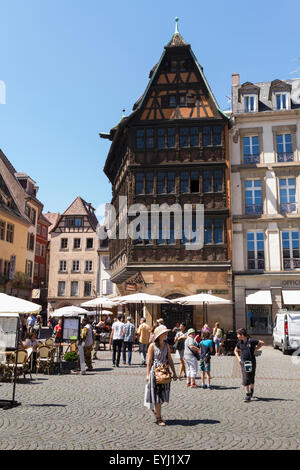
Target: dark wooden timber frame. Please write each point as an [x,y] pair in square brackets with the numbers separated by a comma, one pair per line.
[177,74]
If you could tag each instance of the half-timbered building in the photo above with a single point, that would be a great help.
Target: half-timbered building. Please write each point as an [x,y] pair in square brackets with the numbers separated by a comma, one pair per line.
[73,263]
[173,149]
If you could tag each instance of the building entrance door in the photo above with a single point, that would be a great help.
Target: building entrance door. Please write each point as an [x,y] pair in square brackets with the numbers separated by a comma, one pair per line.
[173,313]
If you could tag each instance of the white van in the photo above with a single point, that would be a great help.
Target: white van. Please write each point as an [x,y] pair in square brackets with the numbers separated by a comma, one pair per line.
[286,332]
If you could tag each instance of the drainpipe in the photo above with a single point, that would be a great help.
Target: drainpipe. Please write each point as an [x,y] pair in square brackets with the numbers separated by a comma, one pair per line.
[233,304]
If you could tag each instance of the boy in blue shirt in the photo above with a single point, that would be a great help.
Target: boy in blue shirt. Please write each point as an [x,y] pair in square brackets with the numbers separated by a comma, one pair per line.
[206,348]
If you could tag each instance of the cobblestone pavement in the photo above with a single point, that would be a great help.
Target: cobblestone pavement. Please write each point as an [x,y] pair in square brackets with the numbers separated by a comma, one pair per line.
[104,410]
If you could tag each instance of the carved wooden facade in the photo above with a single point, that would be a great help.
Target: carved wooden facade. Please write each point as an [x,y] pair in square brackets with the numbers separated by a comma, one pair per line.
[172,149]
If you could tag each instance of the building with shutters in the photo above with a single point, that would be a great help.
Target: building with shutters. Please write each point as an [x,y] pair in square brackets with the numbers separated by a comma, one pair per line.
[265,184]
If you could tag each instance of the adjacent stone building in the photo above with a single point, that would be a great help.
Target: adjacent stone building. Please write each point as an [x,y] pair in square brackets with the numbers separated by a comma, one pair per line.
[265,182]
[173,149]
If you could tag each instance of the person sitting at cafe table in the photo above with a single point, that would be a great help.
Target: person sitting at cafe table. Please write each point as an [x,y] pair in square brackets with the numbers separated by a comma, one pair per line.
[31,342]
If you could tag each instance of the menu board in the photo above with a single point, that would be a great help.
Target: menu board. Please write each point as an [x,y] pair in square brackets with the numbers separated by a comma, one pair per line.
[8,332]
[70,328]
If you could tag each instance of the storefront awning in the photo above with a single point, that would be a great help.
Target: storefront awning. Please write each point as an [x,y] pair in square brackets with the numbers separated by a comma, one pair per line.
[291,297]
[259,297]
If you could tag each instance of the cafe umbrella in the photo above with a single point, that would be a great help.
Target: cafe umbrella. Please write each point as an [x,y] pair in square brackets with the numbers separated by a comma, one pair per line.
[202,299]
[70,311]
[10,304]
[99,302]
[142,299]
[10,308]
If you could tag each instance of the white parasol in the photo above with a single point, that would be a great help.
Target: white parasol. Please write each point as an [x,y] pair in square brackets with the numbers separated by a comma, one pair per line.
[142,299]
[10,304]
[70,311]
[202,299]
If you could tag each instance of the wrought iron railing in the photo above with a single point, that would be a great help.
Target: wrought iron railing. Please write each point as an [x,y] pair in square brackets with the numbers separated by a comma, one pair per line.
[251,159]
[288,207]
[254,209]
[285,157]
[291,263]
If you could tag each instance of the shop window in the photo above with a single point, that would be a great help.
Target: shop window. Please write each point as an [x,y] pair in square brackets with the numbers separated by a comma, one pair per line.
[259,319]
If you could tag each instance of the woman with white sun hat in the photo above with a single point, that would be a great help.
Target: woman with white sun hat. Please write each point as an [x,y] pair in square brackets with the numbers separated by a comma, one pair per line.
[158,387]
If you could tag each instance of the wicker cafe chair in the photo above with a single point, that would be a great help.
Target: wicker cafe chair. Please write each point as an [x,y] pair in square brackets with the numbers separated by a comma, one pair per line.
[5,372]
[23,364]
[49,342]
[45,358]
[74,347]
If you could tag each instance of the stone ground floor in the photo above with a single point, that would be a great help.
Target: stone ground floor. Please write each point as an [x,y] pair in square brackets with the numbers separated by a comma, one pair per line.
[104,410]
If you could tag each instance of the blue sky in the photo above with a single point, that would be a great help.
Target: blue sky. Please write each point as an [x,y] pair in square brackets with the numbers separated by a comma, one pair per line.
[71,66]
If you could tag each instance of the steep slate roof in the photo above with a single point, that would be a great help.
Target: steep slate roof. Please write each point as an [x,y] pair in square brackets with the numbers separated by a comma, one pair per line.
[264,95]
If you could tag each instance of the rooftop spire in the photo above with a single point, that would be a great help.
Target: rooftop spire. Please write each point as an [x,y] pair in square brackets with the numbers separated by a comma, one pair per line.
[176,40]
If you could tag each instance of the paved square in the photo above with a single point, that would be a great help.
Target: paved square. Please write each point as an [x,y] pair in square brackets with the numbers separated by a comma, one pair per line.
[104,410]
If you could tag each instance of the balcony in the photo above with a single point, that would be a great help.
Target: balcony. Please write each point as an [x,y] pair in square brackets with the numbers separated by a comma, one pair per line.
[288,207]
[254,209]
[291,263]
[251,159]
[256,264]
[283,157]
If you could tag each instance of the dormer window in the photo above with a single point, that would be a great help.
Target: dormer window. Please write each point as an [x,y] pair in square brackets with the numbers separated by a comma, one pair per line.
[280,94]
[249,103]
[281,101]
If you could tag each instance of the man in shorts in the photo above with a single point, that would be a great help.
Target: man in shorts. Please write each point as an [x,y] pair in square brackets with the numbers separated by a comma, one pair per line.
[245,352]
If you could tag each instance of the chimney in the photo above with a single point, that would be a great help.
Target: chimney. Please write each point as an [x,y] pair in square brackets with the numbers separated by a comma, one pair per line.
[235,79]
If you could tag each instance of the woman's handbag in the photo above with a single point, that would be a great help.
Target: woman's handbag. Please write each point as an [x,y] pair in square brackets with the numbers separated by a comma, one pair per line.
[162,374]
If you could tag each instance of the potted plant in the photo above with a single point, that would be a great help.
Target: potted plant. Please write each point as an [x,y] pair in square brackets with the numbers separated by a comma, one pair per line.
[71,360]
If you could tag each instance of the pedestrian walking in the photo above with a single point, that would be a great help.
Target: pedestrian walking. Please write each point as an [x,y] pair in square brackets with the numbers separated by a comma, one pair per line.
[52,322]
[206,348]
[129,336]
[205,328]
[58,331]
[30,322]
[37,326]
[151,337]
[24,326]
[217,338]
[97,332]
[88,340]
[116,340]
[245,352]
[191,356]
[144,336]
[179,340]
[158,374]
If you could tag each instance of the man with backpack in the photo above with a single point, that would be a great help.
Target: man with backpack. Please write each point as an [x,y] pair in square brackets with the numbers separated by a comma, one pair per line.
[206,348]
